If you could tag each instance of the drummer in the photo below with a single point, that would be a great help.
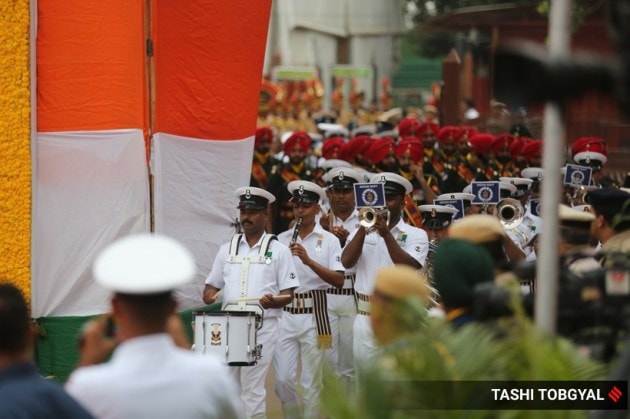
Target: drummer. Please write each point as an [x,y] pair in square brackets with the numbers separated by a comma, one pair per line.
[271,283]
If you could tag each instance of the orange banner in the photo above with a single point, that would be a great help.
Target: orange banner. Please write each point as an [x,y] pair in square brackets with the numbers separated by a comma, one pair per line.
[90,65]
[208,66]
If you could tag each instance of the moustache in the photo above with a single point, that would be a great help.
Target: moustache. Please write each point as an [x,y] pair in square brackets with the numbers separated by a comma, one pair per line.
[244,223]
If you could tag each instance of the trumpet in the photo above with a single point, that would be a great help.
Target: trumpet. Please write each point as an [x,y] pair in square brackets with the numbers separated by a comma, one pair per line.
[296,231]
[368,216]
[510,212]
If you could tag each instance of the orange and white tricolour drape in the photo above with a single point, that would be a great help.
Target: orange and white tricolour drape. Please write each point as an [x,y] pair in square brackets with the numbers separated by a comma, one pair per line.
[93,111]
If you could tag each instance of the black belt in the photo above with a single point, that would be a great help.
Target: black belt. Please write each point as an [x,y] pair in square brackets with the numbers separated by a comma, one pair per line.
[344,291]
[308,310]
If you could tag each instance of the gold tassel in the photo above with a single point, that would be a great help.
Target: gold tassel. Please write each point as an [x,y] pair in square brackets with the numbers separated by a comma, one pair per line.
[324,341]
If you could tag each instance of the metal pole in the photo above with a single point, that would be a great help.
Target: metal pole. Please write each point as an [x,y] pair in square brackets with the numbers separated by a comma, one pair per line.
[553,151]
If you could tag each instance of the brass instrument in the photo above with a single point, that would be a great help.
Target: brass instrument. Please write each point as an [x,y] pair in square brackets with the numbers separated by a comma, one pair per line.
[368,216]
[427,268]
[296,231]
[510,212]
[578,196]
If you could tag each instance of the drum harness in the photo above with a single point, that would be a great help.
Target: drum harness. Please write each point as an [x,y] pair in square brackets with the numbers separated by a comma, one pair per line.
[263,256]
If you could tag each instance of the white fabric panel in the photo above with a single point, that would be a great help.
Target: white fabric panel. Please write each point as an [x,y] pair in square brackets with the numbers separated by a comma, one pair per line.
[91,188]
[194,201]
[327,16]
[377,52]
[374,17]
[312,49]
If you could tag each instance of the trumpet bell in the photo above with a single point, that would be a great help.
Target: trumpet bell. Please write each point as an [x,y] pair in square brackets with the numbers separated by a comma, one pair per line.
[510,212]
[368,216]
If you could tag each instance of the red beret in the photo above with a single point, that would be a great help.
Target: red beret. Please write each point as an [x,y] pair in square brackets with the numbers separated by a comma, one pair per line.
[331,149]
[502,141]
[298,138]
[411,145]
[354,147]
[464,133]
[481,143]
[408,127]
[447,133]
[516,148]
[532,149]
[590,148]
[262,134]
[379,148]
[428,126]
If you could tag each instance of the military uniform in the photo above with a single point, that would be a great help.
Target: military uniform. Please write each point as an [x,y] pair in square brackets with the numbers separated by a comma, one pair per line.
[282,210]
[263,163]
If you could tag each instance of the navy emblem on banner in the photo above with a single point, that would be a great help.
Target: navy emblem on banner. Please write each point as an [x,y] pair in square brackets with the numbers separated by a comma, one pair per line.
[577,175]
[369,195]
[458,204]
[486,192]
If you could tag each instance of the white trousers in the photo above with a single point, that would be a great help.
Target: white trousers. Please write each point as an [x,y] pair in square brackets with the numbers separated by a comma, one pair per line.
[298,338]
[251,380]
[365,347]
[341,312]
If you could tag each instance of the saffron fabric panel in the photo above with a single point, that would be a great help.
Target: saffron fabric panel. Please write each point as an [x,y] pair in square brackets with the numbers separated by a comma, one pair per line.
[90,65]
[208,66]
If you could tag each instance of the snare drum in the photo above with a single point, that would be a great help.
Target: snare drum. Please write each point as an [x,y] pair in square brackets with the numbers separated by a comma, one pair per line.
[230,335]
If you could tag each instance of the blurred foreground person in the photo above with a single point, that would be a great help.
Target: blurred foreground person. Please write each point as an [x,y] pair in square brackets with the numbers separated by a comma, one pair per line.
[611,226]
[24,393]
[147,376]
[395,284]
[458,266]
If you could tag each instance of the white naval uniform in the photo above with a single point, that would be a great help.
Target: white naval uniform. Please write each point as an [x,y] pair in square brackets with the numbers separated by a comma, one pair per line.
[374,255]
[527,229]
[263,279]
[341,311]
[298,332]
[149,377]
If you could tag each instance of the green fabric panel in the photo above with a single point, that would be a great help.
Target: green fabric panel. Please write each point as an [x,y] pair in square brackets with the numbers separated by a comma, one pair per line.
[56,352]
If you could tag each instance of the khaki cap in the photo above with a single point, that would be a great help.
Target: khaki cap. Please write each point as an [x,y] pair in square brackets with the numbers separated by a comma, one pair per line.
[400,281]
[477,228]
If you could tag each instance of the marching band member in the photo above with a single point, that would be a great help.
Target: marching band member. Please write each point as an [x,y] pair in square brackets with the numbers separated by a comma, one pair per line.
[269,274]
[392,242]
[305,327]
[435,222]
[342,219]
[531,224]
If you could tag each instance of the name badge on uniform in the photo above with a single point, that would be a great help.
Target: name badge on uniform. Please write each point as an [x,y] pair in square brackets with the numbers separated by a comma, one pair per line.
[268,258]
